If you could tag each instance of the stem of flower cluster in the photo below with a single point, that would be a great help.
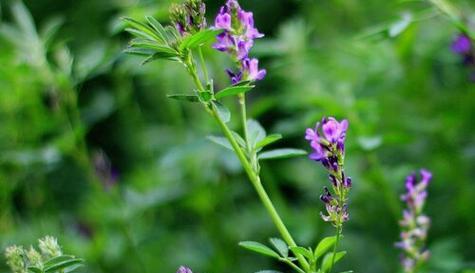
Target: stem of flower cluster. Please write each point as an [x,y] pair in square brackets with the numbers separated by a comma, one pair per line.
[338,232]
[253,176]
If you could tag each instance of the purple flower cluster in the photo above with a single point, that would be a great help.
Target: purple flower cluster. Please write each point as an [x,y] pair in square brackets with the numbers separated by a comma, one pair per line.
[415,224]
[328,143]
[237,39]
[184,269]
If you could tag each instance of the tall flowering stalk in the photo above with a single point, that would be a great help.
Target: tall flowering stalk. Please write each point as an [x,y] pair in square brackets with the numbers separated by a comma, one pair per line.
[415,224]
[234,33]
[327,140]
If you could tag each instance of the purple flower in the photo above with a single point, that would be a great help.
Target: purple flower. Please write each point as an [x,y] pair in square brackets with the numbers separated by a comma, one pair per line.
[184,269]
[237,39]
[462,44]
[250,69]
[327,141]
[414,224]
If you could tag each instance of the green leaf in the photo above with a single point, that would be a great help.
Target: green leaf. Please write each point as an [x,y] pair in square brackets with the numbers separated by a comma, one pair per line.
[233,90]
[401,25]
[221,141]
[298,250]
[184,97]
[255,132]
[327,260]
[147,44]
[223,112]
[281,246]
[239,140]
[268,271]
[259,248]
[159,29]
[268,140]
[324,245]
[281,153]
[349,271]
[34,269]
[199,38]
[147,30]
[61,263]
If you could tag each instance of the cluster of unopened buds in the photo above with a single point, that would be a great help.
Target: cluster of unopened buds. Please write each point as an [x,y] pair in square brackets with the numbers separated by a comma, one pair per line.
[189,17]
[237,39]
[328,143]
[415,224]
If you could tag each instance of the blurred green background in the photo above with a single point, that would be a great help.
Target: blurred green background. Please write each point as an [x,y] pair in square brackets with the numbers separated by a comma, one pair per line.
[94,153]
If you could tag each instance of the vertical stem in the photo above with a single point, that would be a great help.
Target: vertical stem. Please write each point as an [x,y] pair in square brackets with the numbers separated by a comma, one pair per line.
[242,103]
[256,182]
[203,64]
[338,232]
[253,176]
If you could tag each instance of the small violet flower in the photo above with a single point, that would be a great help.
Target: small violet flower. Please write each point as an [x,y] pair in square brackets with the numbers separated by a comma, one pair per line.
[237,39]
[414,223]
[328,143]
[462,44]
[184,269]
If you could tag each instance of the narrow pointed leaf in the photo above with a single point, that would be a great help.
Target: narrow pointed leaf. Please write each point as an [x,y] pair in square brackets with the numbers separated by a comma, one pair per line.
[233,90]
[324,245]
[268,140]
[281,246]
[199,38]
[143,28]
[61,263]
[223,112]
[34,269]
[259,248]
[327,260]
[184,97]
[222,141]
[159,29]
[281,153]
[255,132]
[298,250]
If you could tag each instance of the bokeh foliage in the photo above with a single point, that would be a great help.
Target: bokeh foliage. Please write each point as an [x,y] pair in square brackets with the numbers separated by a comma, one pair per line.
[94,153]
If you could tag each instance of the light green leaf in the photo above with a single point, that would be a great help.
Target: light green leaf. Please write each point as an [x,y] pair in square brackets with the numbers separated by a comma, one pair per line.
[233,90]
[281,246]
[239,140]
[268,140]
[199,38]
[281,153]
[399,26]
[268,271]
[223,112]
[147,44]
[327,260]
[149,31]
[324,245]
[221,141]
[259,248]
[24,21]
[61,263]
[159,29]
[34,269]
[298,250]
[255,132]
[184,97]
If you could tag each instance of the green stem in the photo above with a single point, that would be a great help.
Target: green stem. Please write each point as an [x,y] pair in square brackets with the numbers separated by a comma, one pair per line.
[203,64]
[338,232]
[256,182]
[294,266]
[253,177]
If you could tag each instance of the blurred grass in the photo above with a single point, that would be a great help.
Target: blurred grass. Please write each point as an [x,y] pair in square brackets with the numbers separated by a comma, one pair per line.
[177,199]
